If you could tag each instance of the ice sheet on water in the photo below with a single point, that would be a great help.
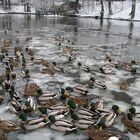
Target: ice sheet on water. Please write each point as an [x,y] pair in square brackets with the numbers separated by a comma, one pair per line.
[48,134]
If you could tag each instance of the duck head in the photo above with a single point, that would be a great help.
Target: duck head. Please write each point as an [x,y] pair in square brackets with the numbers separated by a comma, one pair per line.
[39,92]
[133,62]
[132,110]
[102,70]
[74,117]
[72,104]
[52,118]
[133,71]
[64,94]
[42,109]
[23,116]
[79,64]
[116,109]
[92,79]
[69,89]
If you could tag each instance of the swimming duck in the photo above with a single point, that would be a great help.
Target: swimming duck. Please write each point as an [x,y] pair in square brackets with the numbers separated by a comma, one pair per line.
[82,123]
[8,126]
[14,95]
[31,89]
[61,125]
[113,63]
[29,105]
[59,106]
[78,89]
[47,96]
[132,126]
[33,123]
[14,106]
[107,119]
[96,83]
[123,85]
[106,70]
[2,135]
[48,70]
[25,74]
[128,67]
[97,134]
[83,67]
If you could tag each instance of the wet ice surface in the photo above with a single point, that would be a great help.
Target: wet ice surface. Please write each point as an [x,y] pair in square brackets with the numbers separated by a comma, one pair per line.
[94,39]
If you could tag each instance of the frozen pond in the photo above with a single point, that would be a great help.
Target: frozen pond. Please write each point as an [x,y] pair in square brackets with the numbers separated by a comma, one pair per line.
[93,40]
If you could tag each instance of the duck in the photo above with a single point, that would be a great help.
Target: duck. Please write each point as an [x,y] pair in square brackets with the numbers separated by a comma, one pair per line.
[131,122]
[14,95]
[106,120]
[84,113]
[31,89]
[33,123]
[98,134]
[62,125]
[25,74]
[82,123]
[96,83]
[113,63]
[14,106]
[29,105]
[106,70]
[123,85]
[2,135]
[47,96]
[48,70]
[135,115]
[59,106]
[83,67]
[128,67]
[8,126]
[78,89]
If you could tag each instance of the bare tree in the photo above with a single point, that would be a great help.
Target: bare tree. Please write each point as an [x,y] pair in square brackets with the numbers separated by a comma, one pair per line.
[132,13]
[102,9]
[109,7]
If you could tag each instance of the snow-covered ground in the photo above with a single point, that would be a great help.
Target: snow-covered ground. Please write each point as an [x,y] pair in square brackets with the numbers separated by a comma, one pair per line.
[125,13]
[121,10]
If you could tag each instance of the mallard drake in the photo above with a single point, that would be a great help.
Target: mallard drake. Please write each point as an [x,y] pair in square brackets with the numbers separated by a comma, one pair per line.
[29,105]
[113,63]
[2,135]
[85,114]
[32,124]
[61,125]
[82,123]
[47,96]
[78,89]
[8,126]
[106,70]
[107,119]
[59,106]
[83,67]
[14,95]
[128,67]
[14,106]
[25,74]
[97,83]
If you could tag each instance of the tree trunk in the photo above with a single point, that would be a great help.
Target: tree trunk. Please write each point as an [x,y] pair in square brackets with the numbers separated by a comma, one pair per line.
[77,6]
[102,9]
[9,4]
[132,13]
[109,7]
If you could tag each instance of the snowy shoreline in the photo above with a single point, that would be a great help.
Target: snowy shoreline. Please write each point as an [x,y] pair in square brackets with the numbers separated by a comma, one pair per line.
[78,16]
